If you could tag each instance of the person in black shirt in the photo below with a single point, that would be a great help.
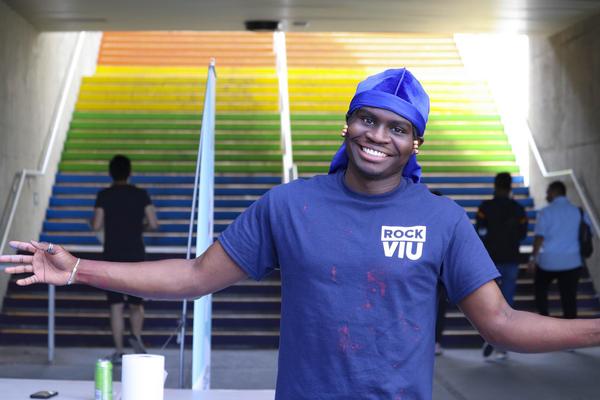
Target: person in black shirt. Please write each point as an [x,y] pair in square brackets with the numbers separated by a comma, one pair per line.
[502,224]
[124,211]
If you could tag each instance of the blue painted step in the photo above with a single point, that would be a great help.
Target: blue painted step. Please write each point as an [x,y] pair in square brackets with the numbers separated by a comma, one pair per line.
[83,227]
[175,179]
[154,191]
[93,240]
[162,215]
[176,191]
[87,214]
[137,179]
[89,202]
[466,179]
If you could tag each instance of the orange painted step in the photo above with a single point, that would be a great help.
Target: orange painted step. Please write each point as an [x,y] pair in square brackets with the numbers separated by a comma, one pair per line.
[187,48]
[170,60]
[188,36]
[350,50]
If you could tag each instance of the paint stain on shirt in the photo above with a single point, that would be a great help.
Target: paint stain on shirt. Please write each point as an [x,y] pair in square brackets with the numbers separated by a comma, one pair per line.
[371,278]
[345,343]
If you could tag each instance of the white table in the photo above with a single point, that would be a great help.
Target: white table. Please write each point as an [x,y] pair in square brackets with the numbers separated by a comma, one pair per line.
[20,389]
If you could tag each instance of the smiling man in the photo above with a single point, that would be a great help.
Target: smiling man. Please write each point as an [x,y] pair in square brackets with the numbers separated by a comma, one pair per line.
[361,253]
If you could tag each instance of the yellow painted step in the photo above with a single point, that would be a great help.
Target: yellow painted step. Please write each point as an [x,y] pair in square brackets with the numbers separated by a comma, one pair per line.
[175,107]
[157,80]
[173,89]
[181,71]
[255,95]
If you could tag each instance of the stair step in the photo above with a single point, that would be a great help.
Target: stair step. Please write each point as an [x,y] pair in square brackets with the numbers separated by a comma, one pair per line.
[170,179]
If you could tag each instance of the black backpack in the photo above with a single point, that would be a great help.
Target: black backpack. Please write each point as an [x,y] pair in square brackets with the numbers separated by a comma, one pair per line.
[586,247]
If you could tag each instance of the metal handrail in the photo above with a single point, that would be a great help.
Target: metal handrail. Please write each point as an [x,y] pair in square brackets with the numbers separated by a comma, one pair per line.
[54,131]
[290,171]
[563,172]
[57,119]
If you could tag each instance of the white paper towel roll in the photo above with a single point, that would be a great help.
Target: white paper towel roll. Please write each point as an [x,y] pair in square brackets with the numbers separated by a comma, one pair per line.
[142,377]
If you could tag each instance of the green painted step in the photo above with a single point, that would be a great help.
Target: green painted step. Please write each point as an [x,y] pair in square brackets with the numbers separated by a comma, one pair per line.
[464,127]
[474,136]
[269,137]
[178,156]
[140,136]
[263,117]
[174,116]
[422,157]
[171,136]
[97,125]
[101,168]
[70,146]
[162,168]
[133,125]
[428,138]
[178,126]
[112,145]
[191,156]
[474,169]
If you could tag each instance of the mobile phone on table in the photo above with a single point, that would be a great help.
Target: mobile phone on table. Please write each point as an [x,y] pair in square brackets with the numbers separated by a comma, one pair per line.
[43,394]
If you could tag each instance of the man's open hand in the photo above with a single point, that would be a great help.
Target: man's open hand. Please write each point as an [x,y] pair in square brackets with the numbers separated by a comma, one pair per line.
[52,267]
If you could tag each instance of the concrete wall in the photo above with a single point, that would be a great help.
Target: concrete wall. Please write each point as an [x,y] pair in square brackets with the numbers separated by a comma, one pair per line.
[32,71]
[564,113]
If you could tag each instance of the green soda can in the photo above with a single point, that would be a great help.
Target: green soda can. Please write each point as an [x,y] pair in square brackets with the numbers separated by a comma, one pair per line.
[104,369]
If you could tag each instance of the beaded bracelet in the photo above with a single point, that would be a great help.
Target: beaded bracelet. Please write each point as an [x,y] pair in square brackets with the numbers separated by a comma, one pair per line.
[73,273]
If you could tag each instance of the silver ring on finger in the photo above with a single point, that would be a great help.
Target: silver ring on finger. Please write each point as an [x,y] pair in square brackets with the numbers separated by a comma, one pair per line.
[50,248]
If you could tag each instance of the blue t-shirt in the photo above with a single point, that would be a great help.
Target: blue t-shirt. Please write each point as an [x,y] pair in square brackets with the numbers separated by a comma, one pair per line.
[558,224]
[359,276]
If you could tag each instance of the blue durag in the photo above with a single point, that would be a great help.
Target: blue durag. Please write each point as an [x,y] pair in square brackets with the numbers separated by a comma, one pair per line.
[395,90]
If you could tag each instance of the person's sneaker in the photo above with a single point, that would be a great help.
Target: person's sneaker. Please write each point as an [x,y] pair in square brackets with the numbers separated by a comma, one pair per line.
[487,350]
[501,355]
[136,345]
[116,358]
[438,349]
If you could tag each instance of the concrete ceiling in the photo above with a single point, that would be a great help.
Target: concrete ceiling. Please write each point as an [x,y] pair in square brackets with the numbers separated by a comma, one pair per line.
[434,16]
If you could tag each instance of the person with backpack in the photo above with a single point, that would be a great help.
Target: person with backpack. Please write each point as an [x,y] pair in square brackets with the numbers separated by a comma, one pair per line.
[557,250]
[502,224]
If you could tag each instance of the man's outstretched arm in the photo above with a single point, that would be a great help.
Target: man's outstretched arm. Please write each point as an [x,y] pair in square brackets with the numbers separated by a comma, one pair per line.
[165,279]
[522,331]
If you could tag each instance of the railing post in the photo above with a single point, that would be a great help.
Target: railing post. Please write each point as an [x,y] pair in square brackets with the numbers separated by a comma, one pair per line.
[204,233]
[289,172]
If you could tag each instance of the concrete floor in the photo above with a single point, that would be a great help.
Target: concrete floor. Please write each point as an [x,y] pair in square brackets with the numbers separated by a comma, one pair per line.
[459,374]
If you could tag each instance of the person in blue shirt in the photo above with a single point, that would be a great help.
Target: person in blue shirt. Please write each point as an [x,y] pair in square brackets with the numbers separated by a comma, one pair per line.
[556,252]
[361,252]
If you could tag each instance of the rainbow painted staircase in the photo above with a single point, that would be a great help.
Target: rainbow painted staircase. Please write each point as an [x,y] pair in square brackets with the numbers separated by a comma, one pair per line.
[145,101]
